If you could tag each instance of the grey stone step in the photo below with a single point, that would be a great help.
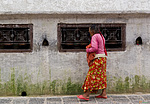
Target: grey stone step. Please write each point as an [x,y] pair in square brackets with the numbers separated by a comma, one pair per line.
[112,99]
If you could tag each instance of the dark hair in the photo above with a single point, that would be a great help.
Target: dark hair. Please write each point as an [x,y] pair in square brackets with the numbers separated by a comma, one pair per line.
[94,28]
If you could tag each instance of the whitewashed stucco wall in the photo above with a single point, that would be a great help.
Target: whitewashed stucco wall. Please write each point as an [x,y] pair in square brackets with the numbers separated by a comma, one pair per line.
[73,6]
[46,64]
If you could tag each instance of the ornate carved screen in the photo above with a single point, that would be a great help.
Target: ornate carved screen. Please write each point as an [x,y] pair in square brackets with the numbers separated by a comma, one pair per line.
[114,35]
[75,37]
[16,37]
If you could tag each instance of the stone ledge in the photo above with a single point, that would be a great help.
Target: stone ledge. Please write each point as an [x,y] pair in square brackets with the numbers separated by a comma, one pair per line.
[74,12]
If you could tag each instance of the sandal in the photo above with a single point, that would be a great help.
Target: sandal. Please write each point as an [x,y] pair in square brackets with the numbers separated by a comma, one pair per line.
[81,97]
[99,96]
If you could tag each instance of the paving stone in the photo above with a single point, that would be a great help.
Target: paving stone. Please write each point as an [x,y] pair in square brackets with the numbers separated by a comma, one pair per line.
[5,101]
[101,100]
[84,102]
[122,103]
[146,102]
[36,101]
[71,103]
[146,97]
[106,102]
[91,101]
[138,102]
[130,103]
[120,99]
[70,100]
[54,101]
[113,99]
[20,101]
[135,98]
[88,103]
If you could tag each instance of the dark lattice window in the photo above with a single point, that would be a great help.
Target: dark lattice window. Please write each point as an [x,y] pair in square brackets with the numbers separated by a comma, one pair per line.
[16,37]
[114,35]
[75,37]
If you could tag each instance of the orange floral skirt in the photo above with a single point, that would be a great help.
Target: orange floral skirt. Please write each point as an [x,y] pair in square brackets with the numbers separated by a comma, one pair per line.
[96,76]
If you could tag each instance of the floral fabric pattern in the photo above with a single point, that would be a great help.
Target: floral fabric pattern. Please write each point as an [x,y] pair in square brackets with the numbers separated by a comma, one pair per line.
[96,76]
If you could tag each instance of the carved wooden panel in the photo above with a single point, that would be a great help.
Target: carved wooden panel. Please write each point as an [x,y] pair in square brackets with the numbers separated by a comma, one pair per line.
[75,37]
[15,37]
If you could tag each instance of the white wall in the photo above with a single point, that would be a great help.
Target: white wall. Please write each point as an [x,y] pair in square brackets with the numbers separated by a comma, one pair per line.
[133,61]
[74,6]
[48,64]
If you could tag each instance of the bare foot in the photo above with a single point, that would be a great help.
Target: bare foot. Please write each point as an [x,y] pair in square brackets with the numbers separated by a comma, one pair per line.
[104,95]
[86,96]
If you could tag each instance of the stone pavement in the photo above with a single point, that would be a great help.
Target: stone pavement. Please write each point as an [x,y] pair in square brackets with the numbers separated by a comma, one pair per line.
[112,99]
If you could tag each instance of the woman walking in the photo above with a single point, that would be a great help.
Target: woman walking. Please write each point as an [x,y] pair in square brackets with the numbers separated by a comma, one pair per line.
[96,76]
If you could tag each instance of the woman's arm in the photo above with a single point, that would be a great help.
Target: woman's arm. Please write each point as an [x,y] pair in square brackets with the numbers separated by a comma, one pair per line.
[94,45]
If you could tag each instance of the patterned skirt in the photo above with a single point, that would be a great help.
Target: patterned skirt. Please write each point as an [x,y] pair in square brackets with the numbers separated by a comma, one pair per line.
[96,76]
